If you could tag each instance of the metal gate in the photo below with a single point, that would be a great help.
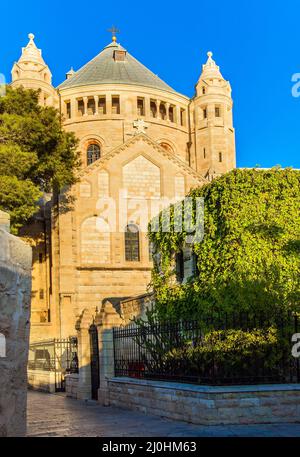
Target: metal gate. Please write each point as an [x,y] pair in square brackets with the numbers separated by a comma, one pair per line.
[58,356]
[95,375]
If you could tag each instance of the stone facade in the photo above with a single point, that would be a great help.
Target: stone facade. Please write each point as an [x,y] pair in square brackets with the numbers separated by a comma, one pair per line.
[208,405]
[15,292]
[142,145]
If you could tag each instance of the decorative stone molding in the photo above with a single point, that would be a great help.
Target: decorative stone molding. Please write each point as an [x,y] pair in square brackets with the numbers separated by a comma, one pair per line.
[106,320]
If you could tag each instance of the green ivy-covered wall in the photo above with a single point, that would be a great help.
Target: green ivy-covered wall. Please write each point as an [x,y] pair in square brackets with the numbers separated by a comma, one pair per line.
[249,257]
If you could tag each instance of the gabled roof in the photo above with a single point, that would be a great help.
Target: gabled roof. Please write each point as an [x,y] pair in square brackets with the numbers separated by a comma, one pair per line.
[105,69]
[143,137]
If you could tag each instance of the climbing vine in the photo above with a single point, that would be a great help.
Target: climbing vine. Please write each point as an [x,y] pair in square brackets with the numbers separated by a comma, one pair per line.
[249,257]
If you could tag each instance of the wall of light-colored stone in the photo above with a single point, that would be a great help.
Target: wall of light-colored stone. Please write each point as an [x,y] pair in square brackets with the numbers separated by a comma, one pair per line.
[15,292]
[208,405]
[71,381]
[41,380]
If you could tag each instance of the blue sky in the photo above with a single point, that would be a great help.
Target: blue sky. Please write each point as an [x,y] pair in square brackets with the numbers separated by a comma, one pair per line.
[256,43]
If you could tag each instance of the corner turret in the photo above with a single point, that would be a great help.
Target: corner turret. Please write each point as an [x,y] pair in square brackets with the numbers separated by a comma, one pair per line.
[213,123]
[31,72]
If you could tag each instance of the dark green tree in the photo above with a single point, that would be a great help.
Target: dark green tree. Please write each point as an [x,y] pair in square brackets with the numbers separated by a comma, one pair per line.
[36,154]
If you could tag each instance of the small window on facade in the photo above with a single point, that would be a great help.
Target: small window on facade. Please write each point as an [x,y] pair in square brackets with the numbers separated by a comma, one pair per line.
[182,117]
[141,106]
[171,114]
[153,108]
[217,111]
[93,153]
[204,153]
[41,294]
[167,147]
[179,266]
[132,243]
[91,107]
[102,105]
[80,105]
[203,90]
[220,157]
[163,111]
[68,108]
[119,56]
[40,257]
[204,113]
[195,269]
[115,104]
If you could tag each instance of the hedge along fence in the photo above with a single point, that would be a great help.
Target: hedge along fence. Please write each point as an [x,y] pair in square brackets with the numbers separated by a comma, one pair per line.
[249,257]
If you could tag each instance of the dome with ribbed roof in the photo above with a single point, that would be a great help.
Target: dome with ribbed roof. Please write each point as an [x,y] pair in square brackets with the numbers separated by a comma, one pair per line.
[115,65]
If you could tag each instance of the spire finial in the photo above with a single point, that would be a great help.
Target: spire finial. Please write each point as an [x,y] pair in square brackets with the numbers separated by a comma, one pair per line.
[209,54]
[31,36]
[113,30]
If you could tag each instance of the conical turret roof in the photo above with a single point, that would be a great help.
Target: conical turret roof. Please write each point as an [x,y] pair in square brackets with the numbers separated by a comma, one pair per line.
[210,69]
[115,65]
[31,54]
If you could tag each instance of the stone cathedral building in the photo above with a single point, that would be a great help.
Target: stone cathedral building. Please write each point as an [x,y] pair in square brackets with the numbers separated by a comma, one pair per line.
[138,138]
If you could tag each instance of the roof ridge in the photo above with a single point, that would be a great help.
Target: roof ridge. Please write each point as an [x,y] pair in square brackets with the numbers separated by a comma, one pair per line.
[104,69]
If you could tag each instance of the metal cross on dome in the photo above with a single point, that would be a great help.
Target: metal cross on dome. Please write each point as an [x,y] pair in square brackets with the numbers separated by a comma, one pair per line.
[114,30]
[140,126]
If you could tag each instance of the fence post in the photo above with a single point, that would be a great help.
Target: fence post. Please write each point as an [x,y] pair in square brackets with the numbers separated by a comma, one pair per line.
[84,355]
[105,321]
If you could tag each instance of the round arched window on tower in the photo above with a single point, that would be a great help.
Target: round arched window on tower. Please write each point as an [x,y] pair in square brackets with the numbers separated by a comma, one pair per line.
[93,153]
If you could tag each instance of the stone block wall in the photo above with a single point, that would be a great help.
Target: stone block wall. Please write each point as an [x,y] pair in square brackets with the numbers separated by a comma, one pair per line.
[41,380]
[15,292]
[136,306]
[72,385]
[208,405]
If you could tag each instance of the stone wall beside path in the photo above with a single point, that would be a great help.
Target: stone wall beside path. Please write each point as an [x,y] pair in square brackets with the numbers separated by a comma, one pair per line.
[15,293]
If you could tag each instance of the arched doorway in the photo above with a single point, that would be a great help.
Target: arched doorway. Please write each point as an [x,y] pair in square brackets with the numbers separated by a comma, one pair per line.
[95,374]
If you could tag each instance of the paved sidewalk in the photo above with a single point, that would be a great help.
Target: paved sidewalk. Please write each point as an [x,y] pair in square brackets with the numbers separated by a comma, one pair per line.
[56,415]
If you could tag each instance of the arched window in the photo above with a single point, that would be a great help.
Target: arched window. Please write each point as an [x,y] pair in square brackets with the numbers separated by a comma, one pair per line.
[179,260]
[93,153]
[132,243]
[2,345]
[167,147]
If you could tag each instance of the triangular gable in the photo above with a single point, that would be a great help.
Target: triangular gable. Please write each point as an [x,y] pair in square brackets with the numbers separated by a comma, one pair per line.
[145,138]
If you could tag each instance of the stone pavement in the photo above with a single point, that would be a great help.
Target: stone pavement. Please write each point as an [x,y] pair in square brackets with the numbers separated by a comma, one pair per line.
[56,415]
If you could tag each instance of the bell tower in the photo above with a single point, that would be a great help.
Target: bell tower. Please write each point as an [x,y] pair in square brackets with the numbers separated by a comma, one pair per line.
[32,72]
[214,135]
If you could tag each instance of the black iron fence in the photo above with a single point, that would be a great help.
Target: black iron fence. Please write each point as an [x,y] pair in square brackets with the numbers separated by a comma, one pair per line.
[236,348]
[57,355]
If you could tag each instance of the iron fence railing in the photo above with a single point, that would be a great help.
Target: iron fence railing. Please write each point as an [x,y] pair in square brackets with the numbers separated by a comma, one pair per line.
[236,348]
